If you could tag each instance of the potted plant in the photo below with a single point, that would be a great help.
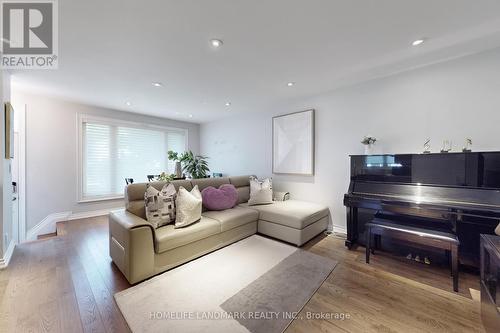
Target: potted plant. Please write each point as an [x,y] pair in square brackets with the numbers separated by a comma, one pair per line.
[174,156]
[368,141]
[196,166]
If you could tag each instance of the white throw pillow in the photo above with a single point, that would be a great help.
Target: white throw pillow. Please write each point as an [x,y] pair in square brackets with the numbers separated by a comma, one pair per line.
[188,205]
[160,205]
[261,191]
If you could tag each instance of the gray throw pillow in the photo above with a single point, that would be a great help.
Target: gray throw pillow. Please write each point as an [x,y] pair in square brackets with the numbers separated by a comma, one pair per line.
[261,191]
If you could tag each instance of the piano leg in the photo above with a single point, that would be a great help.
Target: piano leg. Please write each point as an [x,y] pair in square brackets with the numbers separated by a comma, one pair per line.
[448,259]
[368,244]
[454,267]
[352,227]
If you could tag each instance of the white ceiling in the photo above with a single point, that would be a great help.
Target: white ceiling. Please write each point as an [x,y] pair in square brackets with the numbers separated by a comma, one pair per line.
[110,51]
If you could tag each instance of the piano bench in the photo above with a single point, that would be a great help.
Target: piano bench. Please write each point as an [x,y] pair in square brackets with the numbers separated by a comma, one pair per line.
[437,239]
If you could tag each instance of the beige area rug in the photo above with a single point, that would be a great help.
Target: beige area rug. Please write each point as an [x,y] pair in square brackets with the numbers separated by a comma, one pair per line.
[255,285]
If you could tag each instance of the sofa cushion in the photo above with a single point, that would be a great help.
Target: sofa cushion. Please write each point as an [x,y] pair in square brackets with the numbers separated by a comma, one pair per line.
[206,182]
[291,213]
[242,184]
[167,237]
[234,217]
[243,194]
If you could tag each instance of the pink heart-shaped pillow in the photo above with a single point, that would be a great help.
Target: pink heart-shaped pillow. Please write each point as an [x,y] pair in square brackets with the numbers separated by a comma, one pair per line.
[224,197]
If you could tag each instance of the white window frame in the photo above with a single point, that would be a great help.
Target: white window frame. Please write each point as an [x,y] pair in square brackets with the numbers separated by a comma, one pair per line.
[81,118]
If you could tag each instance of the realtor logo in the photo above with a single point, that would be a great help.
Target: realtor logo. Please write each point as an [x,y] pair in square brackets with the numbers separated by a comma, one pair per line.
[29,34]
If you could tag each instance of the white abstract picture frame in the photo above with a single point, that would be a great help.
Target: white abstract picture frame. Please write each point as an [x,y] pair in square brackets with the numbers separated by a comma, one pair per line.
[293,143]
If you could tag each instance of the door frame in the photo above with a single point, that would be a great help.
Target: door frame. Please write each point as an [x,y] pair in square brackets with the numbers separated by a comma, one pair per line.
[21,182]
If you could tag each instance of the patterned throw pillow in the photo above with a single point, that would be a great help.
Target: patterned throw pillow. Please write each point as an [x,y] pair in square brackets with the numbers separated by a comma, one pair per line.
[188,206]
[160,205]
[168,195]
[261,191]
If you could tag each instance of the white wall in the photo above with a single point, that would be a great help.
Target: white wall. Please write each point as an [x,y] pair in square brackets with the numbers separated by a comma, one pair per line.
[451,100]
[51,153]
[6,179]
[2,144]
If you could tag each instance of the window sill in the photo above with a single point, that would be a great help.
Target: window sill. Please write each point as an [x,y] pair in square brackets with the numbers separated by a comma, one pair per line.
[97,199]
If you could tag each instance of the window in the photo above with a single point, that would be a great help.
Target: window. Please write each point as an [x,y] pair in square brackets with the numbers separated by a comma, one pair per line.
[112,151]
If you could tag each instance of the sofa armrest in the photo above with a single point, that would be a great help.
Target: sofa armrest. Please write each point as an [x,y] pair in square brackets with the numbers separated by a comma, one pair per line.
[128,220]
[131,245]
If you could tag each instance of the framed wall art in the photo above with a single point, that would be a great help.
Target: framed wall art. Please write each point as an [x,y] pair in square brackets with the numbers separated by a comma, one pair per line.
[293,143]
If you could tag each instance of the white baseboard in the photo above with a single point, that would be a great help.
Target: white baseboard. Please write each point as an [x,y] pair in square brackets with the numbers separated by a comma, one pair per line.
[4,262]
[94,213]
[339,230]
[48,224]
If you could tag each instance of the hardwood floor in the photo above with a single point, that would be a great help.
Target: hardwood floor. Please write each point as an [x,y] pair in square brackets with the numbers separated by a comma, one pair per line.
[66,284]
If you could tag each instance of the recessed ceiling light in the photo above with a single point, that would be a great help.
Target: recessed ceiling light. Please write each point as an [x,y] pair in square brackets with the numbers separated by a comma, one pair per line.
[216,42]
[418,42]
[157,84]
[228,103]
[190,116]
[290,84]
[128,103]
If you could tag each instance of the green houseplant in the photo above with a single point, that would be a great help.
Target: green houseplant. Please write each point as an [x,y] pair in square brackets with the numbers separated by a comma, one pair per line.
[195,166]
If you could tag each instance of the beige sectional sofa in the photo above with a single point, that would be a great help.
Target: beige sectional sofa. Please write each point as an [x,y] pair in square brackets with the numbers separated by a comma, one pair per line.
[140,251]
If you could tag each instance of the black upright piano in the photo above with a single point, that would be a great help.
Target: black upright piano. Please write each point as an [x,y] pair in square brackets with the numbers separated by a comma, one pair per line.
[458,190]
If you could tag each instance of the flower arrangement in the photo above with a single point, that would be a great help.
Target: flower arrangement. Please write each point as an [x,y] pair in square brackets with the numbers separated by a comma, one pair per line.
[368,140]
[165,177]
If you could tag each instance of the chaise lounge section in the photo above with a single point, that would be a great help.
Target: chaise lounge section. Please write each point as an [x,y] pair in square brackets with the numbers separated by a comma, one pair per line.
[140,251]
[292,221]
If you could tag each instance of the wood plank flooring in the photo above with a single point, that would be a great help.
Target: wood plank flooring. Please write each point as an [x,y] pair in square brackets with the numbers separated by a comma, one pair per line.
[66,284]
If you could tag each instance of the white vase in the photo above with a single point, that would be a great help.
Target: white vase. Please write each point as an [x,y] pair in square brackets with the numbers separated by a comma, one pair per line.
[369,149]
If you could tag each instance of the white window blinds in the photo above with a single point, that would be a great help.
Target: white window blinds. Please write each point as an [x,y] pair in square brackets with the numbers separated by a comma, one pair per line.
[113,152]
[176,141]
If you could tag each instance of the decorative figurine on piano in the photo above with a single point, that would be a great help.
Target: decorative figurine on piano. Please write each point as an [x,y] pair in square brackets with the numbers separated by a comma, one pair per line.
[468,145]
[427,146]
[446,146]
